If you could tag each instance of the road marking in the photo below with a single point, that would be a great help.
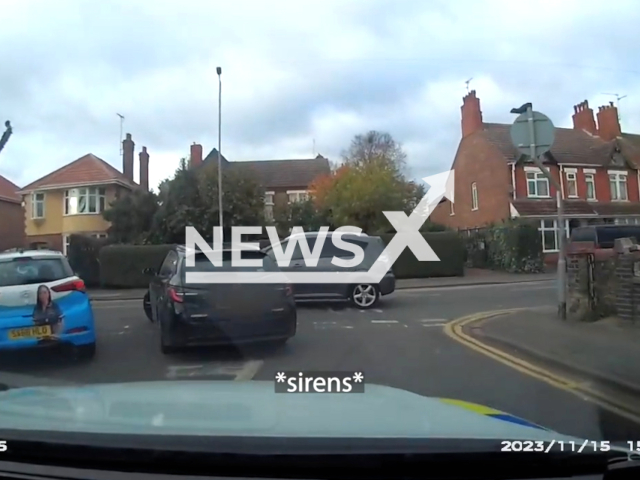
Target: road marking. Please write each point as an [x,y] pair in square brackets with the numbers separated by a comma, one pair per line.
[440,324]
[241,371]
[384,321]
[329,325]
[454,330]
[377,310]
[433,320]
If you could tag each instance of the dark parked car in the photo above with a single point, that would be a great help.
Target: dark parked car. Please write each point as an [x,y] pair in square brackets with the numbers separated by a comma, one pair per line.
[362,295]
[604,236]
[215,314]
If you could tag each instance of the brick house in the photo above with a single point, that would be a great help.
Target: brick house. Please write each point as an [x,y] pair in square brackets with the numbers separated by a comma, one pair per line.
[71,199]
[284,181]
[11,213]
[598,165]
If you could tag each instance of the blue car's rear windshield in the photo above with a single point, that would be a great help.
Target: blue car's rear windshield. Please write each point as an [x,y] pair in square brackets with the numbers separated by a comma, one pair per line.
[30,270]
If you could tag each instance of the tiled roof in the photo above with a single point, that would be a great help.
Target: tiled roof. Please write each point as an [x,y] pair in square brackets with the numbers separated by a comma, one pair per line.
[285,173]
[570,146]
[9,190]
[86,170]
[548,208]
[278,173]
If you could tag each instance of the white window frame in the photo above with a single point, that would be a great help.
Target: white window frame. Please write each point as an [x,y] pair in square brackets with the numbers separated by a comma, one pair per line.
[269,201]
[543,228]
[539,176]
[99,194]
[571,175]
[451,209]
[590,178]
[474,196]
[35,202]
[300,195]
[620,178]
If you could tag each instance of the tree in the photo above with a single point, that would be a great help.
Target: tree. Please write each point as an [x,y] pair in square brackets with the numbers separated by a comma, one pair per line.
[191,199]
[376,148]
[131,217]
[305,214]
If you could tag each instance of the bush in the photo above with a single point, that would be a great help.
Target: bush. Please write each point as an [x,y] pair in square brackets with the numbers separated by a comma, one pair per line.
[83,256]
[447,245]
[122,265]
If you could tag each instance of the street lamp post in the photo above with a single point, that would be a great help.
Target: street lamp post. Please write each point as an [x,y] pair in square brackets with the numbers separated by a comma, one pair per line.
[219,71]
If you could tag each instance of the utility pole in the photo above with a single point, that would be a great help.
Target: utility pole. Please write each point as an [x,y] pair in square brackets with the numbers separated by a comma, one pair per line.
[533,134]
[219,71]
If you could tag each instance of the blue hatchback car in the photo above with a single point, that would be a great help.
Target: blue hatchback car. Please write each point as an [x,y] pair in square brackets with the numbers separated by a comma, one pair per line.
[43,303]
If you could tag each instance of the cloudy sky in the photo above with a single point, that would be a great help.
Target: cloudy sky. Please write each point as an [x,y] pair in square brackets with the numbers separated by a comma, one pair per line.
[295,72]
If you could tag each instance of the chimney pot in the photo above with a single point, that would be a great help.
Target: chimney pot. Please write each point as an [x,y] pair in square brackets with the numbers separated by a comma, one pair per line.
[195,155]
[471,114]
[128,147]
[583,118]
[144,169]
[608,123]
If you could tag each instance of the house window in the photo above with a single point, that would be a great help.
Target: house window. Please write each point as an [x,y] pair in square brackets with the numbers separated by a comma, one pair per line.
[37,205]
[537,185]
[590,180]
[451,210]
[82,201]
[618,185]
[549,231]
[474,196]
[99,235]
[297,195]
[268,205]
[572,184]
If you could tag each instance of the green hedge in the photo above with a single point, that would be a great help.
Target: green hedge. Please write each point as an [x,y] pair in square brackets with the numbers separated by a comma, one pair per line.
[122,265]
[83,256]
[447,245]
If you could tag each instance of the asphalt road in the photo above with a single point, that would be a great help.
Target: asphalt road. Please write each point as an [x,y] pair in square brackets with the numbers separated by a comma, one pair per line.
[400,344]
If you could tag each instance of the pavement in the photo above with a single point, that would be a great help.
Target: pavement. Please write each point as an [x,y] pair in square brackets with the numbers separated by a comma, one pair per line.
[473,276]
[405,343]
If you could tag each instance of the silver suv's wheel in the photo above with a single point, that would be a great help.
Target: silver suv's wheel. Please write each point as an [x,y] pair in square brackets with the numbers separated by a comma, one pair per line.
[365,295]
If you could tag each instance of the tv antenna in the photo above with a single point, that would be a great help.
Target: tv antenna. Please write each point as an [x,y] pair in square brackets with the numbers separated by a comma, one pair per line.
[618,98]
[121,126]
[467,83]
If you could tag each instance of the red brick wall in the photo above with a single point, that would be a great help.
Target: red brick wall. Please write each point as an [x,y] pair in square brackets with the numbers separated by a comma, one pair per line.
[480,162]
[11,226]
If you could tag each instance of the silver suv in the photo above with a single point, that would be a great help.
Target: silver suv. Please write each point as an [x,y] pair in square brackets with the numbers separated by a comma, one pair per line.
[362,296]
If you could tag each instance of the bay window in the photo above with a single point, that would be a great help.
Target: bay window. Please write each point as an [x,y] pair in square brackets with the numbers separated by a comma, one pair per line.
[81,201]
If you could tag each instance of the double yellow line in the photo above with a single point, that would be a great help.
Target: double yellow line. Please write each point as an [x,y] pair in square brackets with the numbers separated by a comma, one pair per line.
[455,330]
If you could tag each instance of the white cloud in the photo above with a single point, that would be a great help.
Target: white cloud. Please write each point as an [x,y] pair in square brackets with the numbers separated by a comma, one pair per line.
[295,71]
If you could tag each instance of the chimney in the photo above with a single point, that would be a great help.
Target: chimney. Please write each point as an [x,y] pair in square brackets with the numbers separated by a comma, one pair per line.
[127,157]
[471,114]
[583,118]
[196,155]
[144,169]
[608,122]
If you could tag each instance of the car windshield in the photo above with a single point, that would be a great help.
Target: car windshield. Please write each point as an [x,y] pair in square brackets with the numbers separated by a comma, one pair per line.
[28,271]
[449,166]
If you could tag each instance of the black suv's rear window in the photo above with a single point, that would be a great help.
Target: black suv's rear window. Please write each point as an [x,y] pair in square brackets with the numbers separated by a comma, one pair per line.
[203,264]
[608,235]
